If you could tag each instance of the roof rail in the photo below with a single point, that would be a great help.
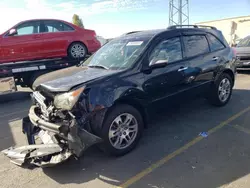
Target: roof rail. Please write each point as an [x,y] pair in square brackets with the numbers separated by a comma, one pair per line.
[188,26]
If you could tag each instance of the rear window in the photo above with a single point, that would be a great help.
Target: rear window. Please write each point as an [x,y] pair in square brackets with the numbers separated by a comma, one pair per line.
[195,45]
[56,26]
[215,44]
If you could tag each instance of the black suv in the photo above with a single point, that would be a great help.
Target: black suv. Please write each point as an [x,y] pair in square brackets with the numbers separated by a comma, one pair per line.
[107,99]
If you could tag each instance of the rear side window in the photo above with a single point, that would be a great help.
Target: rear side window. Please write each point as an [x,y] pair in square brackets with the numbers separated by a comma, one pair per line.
[215,44]
[67,27]
[195,45]
[51,26]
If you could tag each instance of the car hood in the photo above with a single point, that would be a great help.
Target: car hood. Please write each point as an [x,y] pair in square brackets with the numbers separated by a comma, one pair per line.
[242,51]
[63,80]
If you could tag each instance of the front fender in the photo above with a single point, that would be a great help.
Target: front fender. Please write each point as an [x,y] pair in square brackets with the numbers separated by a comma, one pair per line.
[105,98]
[100,99]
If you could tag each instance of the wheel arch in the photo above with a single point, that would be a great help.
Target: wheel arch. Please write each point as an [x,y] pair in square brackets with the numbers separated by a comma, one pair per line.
[226,71]
[111,100]
[231,74]
[137,105]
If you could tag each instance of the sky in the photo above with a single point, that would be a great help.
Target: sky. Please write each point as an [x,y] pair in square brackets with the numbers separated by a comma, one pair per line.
[111,18]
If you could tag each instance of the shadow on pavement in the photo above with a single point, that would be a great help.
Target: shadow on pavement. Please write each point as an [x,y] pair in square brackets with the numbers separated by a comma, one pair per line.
[10,97]
[168,131]
[11,113]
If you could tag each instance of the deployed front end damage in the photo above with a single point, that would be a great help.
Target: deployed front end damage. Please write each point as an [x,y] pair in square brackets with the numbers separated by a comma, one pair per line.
[61,134]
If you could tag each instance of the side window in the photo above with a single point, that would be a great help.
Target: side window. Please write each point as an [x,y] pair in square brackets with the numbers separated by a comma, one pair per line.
[55,26]
[215,44]
[67,27]
[195,45]
[168,50]
[28,28]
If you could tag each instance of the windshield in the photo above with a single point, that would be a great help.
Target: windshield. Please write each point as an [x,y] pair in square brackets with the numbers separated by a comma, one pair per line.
[244,42]
[118,53]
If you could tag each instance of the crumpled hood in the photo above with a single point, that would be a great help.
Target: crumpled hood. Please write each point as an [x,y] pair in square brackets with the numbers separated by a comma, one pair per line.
[63,80]
[242,51]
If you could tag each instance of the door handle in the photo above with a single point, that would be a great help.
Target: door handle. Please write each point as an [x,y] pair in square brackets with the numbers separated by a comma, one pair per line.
[215,58]
[182,69]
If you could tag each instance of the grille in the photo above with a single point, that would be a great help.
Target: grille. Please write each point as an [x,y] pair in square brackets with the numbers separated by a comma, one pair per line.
[243,57]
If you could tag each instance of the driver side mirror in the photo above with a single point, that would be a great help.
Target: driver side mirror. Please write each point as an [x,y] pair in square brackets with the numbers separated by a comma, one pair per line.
[158,63]
[12,32]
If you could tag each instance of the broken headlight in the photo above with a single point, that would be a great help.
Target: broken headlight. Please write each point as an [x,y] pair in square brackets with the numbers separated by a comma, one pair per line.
[67,101]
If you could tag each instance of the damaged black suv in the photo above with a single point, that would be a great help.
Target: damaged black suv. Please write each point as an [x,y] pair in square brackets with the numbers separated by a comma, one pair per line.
[107,99]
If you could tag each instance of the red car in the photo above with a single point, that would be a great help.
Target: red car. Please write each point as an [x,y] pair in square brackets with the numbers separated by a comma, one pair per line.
[46,38]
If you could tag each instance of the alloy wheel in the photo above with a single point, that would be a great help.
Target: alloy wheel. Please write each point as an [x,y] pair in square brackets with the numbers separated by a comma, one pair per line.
[224,89]
[78,51]
[123,131]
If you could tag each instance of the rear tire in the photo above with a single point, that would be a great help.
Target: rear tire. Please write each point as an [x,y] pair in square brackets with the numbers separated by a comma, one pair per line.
[77,51]
[221,90]
[113,144]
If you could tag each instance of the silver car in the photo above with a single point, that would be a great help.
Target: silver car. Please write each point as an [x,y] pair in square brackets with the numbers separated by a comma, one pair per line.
[243,53]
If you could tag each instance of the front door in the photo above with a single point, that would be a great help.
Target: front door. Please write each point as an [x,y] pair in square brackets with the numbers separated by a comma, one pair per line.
[23,46]
[161,83]
[203,60]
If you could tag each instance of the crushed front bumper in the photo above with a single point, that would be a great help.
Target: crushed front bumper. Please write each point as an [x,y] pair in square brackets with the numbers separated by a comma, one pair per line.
[55,146]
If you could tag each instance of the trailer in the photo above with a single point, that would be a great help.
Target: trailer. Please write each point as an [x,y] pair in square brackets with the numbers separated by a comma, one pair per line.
[25,73]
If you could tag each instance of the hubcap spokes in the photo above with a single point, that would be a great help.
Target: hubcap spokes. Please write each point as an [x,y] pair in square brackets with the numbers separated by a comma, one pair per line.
[224,89]
[123,131]
[77,51]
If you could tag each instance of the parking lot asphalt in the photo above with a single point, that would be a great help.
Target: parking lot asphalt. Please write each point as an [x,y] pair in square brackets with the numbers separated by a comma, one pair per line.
[171,153]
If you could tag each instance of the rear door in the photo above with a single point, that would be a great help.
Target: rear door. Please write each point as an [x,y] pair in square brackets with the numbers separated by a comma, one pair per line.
[217,52]
[23,46]
[56,38]
[201,66]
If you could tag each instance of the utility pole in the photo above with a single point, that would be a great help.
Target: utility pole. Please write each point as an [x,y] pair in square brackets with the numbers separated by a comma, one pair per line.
[178,12]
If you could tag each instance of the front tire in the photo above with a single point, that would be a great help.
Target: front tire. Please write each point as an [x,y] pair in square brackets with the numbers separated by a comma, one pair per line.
[77,51]
[221,90]
[121,130]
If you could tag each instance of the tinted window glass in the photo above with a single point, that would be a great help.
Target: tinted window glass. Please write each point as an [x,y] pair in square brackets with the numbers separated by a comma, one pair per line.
[56,26]
[28,28]
[244,42]
[215,44]
[195,45]
[169,50]
[67,27]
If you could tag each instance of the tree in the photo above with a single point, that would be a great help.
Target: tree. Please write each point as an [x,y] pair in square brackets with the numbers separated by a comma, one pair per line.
[77,21]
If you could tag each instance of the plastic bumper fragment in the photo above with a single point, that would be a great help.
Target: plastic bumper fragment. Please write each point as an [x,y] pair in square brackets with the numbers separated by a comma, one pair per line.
[52,151]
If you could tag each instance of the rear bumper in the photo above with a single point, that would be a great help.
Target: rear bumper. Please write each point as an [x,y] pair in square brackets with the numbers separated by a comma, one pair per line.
[56,146]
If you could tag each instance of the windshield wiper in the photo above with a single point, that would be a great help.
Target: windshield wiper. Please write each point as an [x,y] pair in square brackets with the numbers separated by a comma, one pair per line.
[98,66]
